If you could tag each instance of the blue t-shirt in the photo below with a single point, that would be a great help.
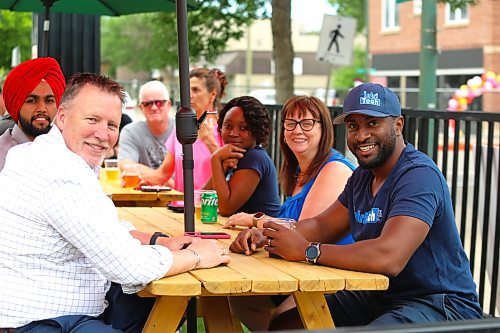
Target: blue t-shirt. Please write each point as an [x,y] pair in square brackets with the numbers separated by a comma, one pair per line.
[292,207]
[416,188]
[266,197]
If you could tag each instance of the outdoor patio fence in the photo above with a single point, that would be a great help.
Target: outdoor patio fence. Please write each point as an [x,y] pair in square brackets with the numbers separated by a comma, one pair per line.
[465,146]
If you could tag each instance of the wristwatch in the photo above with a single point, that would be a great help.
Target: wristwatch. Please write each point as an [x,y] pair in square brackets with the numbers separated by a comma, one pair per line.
[256,218]
[313,252]
[152,240]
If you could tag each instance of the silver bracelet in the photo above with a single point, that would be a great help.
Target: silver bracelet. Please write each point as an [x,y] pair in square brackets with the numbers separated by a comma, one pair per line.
[198,258]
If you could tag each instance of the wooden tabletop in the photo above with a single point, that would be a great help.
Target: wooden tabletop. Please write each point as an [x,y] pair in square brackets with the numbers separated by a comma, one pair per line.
[129,197]
[244,275]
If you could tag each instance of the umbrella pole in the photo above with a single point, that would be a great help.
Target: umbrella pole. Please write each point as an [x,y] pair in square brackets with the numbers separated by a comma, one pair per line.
[187,133]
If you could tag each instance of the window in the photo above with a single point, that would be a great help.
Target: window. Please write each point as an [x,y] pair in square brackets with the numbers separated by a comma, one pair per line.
[390,15]
[298,66]
[459,15]
[417,7]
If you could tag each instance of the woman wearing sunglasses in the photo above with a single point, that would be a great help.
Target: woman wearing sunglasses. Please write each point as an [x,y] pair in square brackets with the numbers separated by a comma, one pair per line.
[207,89]
[312,176]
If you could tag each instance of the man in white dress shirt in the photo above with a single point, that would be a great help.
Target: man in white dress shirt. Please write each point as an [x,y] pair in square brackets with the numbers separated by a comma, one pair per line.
[61,242]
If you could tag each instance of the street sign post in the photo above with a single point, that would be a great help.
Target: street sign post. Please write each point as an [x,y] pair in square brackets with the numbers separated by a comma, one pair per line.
[336,40]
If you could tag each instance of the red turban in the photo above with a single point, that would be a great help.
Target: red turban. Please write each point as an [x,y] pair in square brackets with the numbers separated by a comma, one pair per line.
[24,78]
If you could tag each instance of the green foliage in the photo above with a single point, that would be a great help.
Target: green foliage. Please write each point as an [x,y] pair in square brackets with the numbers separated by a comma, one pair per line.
[15,30]
[147,41]
[351,8]
[343,78]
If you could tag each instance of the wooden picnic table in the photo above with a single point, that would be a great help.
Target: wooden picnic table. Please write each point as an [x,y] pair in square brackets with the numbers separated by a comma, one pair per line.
[245,275]
[129,197]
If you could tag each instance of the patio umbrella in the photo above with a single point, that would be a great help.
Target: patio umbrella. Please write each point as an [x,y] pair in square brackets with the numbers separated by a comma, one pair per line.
[90,7]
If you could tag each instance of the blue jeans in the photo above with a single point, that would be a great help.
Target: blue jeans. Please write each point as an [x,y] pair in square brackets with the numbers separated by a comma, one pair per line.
[125,313]
[362,308]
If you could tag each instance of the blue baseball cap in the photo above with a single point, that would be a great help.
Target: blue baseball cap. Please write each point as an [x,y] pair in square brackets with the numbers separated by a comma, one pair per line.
[370,99]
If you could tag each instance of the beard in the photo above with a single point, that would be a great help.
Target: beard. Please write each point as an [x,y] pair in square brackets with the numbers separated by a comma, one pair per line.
[30,129]
[386,148]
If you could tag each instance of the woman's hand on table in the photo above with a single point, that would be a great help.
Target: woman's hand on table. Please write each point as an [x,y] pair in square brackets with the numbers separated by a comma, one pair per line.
[175,243]
[210,252]
[248,241]
[239,219]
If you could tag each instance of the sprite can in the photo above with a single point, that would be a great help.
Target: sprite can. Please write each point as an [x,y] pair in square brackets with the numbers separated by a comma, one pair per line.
[209,206]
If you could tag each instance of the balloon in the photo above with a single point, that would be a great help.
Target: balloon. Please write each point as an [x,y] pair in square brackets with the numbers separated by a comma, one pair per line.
[452,105]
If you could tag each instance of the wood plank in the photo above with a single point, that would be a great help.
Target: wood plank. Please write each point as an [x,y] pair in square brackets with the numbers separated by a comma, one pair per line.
[313,310]
[166,314]
[172,195]
[217,315]
[361,280]
[310,277]
[223,280]
[178,285]
[265,278]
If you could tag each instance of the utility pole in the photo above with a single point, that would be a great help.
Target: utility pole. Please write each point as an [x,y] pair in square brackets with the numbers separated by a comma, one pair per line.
[428,64]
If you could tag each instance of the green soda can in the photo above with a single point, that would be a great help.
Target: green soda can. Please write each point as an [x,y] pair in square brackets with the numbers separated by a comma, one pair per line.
[209,206]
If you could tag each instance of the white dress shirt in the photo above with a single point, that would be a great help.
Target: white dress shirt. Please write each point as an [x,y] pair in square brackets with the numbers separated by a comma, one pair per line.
[61,242]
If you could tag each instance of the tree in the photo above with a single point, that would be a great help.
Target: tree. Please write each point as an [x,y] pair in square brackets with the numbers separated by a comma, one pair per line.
[282,49]
[15,29]
[147,41]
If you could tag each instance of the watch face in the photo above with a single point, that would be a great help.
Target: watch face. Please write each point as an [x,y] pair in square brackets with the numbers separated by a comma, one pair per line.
[258,215]
[312,252]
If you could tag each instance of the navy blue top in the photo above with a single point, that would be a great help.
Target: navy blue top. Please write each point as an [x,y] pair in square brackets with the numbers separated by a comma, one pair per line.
[292,207]
[416,188]
[266,197]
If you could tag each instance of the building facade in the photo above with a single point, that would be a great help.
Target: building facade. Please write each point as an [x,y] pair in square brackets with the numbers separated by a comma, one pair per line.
[468,45]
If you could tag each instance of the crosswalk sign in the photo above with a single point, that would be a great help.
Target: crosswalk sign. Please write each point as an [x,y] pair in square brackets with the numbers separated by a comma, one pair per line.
[336,40]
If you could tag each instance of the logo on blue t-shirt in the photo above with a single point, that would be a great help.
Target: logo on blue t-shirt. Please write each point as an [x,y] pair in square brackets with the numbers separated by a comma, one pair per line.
[372,216]
[369,98]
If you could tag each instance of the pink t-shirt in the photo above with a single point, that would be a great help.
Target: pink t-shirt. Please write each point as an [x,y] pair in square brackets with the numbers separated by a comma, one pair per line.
[201,156]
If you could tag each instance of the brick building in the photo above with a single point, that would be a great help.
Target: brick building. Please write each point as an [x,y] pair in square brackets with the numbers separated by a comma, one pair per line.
[468,43]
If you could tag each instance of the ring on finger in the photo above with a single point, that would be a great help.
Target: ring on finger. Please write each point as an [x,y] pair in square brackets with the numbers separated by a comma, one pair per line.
[269,240]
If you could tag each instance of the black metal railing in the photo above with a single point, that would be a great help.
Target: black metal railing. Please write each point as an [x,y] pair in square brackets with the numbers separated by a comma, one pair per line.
[466,147]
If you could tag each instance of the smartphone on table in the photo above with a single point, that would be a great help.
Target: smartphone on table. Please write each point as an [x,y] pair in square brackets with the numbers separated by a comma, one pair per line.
[155,188]
[208,235]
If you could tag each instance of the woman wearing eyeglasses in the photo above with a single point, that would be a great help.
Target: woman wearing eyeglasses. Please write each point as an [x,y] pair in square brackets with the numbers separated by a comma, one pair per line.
[312,176]
[207,89]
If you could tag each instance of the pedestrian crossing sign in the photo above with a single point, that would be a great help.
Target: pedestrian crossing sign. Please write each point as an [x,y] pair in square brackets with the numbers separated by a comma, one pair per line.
[336,40]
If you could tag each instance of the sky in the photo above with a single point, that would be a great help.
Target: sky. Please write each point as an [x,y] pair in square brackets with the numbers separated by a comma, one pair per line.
[310,12]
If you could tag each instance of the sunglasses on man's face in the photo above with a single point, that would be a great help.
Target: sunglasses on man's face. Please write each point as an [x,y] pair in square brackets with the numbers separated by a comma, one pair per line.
[158,102]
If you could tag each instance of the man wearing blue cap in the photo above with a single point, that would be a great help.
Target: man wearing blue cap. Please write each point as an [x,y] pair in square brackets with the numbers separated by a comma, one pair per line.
[398,208]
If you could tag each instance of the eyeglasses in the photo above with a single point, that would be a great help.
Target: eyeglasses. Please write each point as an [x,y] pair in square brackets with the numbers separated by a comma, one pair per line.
[158,102]
[305,124]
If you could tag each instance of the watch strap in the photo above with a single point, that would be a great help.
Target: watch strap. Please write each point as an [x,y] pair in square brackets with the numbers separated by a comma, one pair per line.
[152,240]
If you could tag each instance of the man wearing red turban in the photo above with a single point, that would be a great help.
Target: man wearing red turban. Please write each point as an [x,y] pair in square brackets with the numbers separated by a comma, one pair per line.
[32,92]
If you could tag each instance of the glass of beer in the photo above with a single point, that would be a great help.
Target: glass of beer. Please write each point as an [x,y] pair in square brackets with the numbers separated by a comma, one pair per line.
[130,175]
[111,170]
[197,204]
